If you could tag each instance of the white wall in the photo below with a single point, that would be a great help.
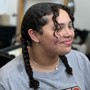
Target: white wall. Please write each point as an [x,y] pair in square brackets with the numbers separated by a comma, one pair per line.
[82,12]
[9,7]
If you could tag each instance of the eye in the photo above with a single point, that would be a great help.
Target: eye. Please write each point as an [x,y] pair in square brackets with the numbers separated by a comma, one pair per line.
[70,26]
[59,27]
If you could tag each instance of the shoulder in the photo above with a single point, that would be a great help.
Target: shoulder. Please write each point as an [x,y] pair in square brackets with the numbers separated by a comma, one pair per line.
[77,55]
[78,60]
[11,68]
[13,74]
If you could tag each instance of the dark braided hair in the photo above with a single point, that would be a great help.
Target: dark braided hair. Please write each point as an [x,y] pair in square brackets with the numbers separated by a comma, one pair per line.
[32,83]
[65,61]
[34,18]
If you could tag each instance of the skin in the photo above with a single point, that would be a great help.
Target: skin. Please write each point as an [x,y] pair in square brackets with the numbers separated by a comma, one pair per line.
[49,47]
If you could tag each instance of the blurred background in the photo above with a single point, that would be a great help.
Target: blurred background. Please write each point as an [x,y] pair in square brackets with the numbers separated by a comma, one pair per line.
[12,11]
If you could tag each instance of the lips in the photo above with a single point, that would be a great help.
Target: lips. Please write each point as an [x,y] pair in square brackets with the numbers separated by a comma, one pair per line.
[67,42]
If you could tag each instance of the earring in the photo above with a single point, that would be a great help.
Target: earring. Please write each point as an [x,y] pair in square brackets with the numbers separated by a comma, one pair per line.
[37,43]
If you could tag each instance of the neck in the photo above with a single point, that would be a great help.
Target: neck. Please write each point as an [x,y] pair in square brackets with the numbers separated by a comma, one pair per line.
[42,62]
[42,58]
[45,68]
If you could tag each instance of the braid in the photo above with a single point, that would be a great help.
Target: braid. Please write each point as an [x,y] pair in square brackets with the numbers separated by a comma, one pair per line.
[65,61]
[32,82]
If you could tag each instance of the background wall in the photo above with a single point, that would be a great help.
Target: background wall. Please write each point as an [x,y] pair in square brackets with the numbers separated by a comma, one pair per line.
[82,12]
[28,3]
[9,7]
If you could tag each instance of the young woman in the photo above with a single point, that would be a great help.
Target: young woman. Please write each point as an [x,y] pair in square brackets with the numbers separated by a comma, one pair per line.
[47,61]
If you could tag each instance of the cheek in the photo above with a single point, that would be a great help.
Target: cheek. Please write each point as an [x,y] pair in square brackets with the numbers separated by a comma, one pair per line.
[48,41]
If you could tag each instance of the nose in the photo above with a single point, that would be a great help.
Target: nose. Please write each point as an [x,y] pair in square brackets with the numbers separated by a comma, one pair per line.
[68,32]
[65,32]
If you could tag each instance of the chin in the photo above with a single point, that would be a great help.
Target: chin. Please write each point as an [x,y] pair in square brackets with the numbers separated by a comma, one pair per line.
[65,51]
[68,50]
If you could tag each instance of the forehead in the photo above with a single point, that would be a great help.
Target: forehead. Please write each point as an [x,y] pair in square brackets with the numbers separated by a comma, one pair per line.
[63,16]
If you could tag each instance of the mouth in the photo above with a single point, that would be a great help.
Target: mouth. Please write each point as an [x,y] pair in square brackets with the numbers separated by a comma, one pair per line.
[68,42]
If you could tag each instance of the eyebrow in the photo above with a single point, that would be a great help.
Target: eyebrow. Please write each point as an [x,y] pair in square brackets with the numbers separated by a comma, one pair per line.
[70,22]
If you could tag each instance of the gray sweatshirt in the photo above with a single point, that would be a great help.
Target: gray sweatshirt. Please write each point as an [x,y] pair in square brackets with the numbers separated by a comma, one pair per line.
[13,75]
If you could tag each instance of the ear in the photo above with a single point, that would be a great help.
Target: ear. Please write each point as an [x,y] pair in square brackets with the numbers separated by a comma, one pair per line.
[33,35]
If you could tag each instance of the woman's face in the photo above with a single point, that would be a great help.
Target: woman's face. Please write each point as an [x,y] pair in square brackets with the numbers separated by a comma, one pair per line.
[59,44]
